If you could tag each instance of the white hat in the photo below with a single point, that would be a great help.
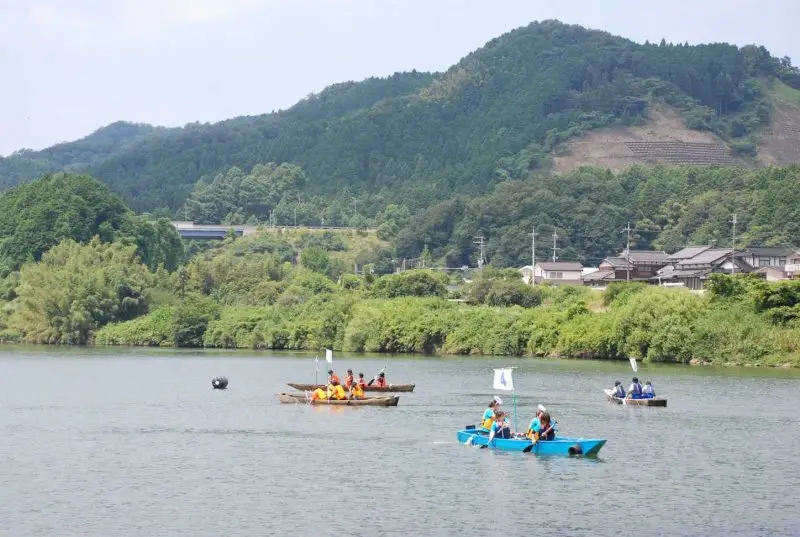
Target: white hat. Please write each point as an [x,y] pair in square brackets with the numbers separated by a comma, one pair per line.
[498,400]
[542,408]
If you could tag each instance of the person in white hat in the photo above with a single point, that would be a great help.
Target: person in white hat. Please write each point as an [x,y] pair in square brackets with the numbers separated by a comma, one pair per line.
[535,423]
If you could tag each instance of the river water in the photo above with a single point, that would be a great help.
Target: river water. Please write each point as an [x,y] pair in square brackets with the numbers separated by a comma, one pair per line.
[123,442]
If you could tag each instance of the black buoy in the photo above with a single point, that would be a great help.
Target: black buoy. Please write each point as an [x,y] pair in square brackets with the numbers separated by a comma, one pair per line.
[219,383]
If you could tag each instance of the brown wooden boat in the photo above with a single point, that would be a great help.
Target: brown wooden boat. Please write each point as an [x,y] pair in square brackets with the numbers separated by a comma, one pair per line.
[390,388]
[289,398]
[655,401]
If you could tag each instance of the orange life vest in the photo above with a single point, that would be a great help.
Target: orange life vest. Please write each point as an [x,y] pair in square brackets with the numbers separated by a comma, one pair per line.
[348,381]
[381,381]
[333,378]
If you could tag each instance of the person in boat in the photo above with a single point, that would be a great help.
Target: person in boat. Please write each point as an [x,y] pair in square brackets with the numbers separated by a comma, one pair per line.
[488,414]
[349,380]
[356,391]
[547,430]
[332,377]
[619,391]
[319,394]
[648,392]
[500,427]
[381,380]
[361,382]
[535,425]
[635,390]
[336,391]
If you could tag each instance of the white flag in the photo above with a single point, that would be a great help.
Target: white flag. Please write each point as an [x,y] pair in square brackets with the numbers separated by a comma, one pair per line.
[316,363]
[503,380]
[633,364]
[329,356]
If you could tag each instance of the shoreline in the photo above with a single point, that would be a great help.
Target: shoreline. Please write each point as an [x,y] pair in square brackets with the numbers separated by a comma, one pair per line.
[694,362]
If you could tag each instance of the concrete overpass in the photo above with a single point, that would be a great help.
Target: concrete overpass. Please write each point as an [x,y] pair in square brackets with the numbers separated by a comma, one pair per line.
[190,230]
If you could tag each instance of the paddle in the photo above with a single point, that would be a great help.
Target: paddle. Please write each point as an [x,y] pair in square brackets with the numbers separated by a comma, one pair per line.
[376,376]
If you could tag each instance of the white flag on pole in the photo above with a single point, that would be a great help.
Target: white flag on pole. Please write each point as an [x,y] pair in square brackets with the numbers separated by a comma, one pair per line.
[633,364]
[503,380]
[329,356]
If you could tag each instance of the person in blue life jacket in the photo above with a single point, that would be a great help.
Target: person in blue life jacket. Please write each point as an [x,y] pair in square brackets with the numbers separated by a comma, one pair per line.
[635,391]
[619,391]
[500,427]
[648,392]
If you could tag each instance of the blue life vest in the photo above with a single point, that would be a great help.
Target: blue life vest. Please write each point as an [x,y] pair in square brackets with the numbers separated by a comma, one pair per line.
[619,391]
[636,390]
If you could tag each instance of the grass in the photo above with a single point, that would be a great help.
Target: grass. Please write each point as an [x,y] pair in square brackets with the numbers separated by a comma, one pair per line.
[786,93]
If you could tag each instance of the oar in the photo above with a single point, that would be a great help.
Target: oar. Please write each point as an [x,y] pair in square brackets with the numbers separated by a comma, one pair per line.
[376,376]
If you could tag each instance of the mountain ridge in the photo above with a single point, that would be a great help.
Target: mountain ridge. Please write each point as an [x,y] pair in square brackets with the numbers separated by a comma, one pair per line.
[420,138]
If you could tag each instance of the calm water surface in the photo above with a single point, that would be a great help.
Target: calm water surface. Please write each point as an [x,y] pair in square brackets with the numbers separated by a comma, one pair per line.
[101,442]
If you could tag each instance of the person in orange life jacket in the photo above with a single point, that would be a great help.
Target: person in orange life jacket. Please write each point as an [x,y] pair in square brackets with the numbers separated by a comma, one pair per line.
[546,428]
[356,391]
[381,380]
[635,391]
[332,377]
[361,381]
[500,428]
[619,391]
[648,392]
[349,380]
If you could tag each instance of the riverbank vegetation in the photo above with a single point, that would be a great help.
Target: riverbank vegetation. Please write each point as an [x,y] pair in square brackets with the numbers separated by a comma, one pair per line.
[261,293]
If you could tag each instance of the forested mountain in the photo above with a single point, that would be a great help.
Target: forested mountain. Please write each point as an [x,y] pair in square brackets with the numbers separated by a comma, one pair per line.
[417,138]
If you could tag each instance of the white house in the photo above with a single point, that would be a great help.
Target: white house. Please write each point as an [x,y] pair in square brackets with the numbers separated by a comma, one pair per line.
[559,272]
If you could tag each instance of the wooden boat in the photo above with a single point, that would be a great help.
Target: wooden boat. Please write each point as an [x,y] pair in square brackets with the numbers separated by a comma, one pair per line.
[655,401]
[290,398]
[561,445]
[390,388]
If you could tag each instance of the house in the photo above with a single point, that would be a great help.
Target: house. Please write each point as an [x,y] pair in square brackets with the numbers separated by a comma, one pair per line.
[558,272]
[692,272]
[633,265]
[758,257]
[527,274]
[792,267]
[773,274]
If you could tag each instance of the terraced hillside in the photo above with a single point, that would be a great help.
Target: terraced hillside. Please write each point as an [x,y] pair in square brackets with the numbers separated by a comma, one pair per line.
[781,142]
[663,139]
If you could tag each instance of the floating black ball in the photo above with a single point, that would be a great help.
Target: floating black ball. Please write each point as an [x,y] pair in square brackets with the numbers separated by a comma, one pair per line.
[219,383]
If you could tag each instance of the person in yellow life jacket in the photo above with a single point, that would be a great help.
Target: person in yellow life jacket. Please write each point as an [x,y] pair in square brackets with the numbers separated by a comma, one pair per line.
[356,391]
[336,391]
[488,415]
[319,394]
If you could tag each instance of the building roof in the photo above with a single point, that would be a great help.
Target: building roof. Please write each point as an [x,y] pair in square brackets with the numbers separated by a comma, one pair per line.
[688,252]
[617,262]
[560,265]
[677,274]
[764,270]
[599,275]
[778,251]
[646,256]
[706,257]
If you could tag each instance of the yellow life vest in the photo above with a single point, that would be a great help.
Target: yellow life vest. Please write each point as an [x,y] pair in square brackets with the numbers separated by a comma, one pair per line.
[487,423]
[339,393]
[319,393]
[357,391]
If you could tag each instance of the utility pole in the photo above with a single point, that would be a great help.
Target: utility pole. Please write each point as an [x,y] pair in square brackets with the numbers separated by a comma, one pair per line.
[533,247]
[627,252]
[555,247]
[733,255]
[479,241]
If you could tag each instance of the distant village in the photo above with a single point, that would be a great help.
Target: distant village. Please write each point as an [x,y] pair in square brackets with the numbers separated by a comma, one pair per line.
[689,268]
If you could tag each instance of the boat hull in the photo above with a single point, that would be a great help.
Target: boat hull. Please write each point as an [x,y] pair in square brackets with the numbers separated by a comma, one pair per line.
[561,446]
[291,398]
[386,389]
[655,401]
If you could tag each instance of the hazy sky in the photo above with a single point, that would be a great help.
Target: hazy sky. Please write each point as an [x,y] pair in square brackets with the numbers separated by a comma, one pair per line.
[72,66]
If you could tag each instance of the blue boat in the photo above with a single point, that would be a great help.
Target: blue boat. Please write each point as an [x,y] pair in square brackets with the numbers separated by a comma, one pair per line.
[562,445]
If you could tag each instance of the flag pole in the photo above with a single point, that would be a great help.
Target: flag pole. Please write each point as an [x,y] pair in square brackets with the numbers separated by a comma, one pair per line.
[514,398]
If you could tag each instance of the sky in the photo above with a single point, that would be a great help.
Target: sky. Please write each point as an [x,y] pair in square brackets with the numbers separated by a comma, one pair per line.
[69,67]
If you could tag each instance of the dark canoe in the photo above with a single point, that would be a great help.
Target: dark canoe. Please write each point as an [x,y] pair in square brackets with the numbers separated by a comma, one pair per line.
[289,398]
[656,401]
[390,388]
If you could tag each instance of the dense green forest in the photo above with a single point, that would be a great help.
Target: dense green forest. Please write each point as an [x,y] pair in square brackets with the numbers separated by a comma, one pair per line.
[417,139]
